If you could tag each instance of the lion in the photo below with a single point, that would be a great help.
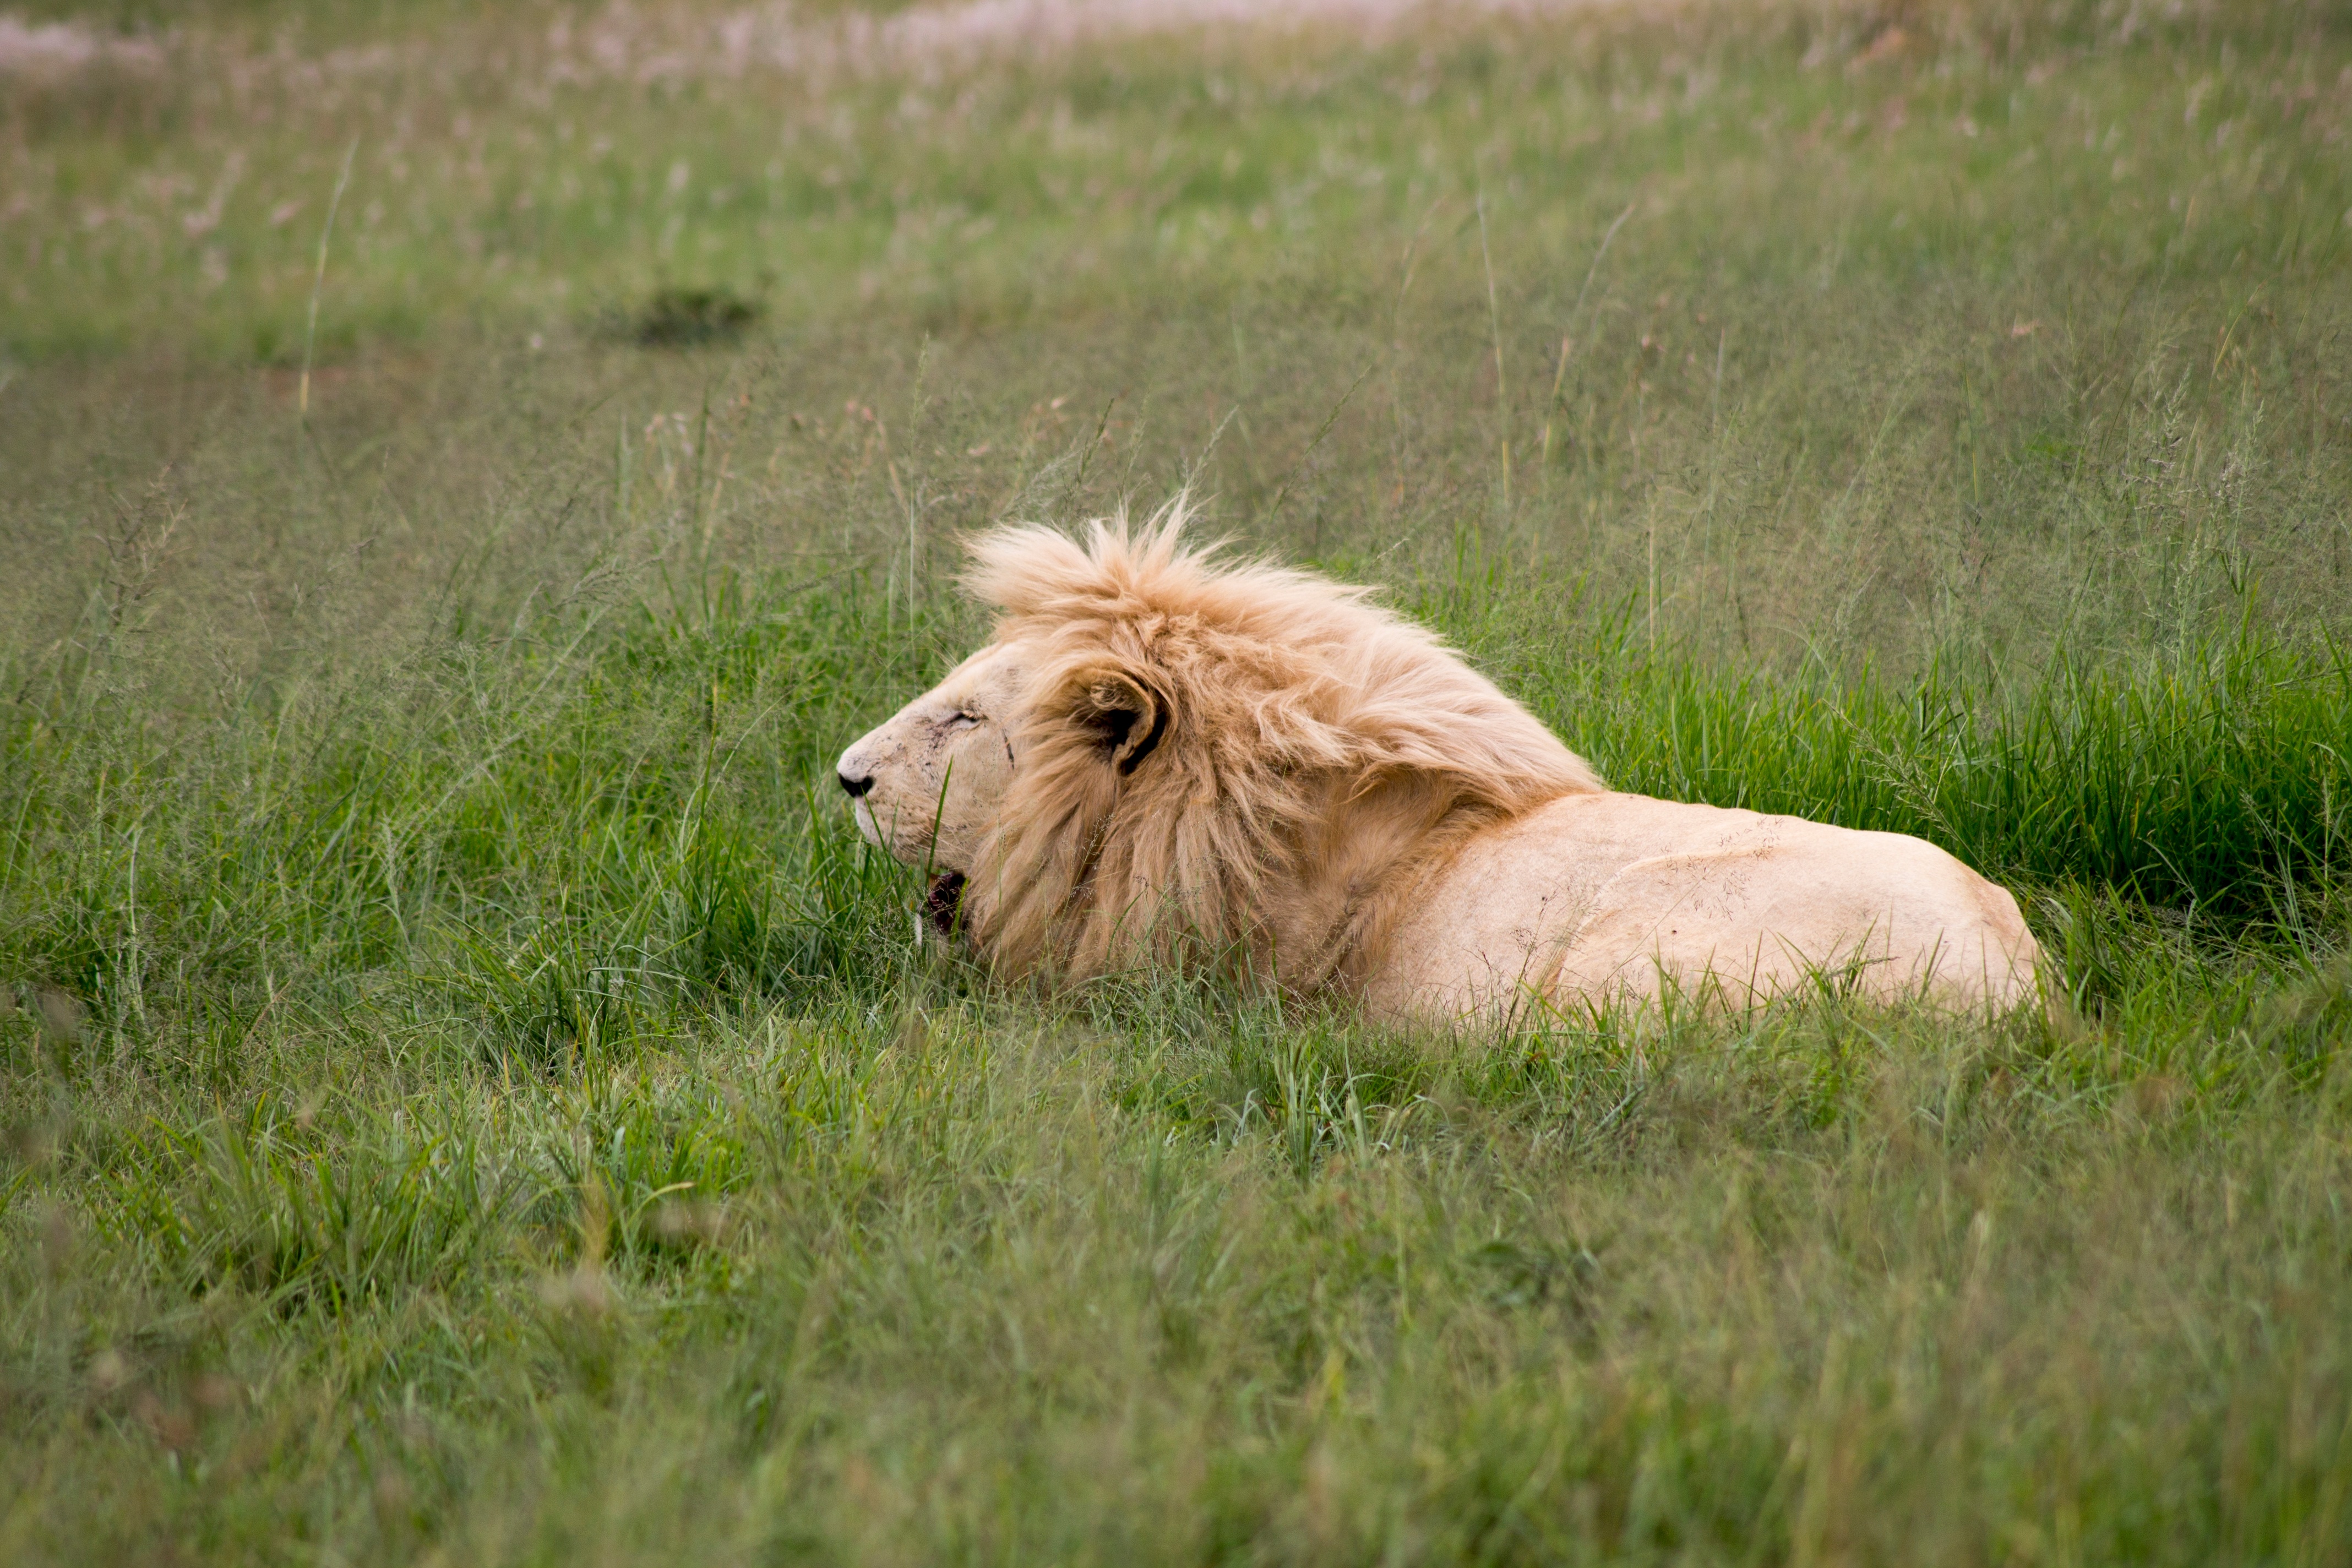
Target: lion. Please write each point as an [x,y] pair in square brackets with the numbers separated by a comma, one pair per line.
[1164,752]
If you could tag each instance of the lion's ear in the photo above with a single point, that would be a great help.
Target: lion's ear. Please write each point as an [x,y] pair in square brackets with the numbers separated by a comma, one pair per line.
[1127,719]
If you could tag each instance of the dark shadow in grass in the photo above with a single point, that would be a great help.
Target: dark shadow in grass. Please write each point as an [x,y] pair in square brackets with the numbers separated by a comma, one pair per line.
[678,317]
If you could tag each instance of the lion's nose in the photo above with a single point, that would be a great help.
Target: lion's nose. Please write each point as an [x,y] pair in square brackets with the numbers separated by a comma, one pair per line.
[855,788]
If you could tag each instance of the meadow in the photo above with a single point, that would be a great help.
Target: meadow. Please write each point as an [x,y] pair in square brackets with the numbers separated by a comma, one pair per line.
[467,1095]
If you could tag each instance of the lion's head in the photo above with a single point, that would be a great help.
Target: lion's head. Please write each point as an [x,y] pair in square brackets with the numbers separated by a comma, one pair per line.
[1160,748]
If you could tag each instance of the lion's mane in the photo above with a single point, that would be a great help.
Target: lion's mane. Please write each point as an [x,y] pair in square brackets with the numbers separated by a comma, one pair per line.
[1227,757]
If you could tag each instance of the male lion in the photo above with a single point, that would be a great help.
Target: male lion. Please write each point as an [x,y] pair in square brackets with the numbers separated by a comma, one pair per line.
[1161,749]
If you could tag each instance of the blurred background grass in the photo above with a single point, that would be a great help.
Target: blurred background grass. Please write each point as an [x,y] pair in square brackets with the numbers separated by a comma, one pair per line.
[468,1093]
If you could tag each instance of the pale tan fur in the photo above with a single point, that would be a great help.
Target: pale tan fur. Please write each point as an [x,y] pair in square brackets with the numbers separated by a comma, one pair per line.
[1161,751]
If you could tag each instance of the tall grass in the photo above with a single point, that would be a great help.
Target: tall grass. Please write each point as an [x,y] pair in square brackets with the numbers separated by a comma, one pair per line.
[2212,781]
[574,832]
[515,1101]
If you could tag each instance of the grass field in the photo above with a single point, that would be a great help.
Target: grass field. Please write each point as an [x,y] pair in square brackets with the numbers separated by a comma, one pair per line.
[468,1097]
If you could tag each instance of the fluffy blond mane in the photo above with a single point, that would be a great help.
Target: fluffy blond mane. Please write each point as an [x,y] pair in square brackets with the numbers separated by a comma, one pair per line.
[1227,756]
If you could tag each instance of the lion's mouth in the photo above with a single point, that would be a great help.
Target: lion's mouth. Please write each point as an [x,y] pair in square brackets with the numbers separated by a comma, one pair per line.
[943,902]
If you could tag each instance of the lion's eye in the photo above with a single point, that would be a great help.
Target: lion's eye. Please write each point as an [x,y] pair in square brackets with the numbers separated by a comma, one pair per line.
[962,720]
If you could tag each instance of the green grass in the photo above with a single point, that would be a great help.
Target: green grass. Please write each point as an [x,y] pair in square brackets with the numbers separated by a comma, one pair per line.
[468,1095]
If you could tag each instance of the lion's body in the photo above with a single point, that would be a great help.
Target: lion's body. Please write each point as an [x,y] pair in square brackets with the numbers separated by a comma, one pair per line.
[1617,896]
[1158,752]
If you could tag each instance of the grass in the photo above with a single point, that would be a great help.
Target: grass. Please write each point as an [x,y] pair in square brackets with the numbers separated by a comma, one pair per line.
[468,1096]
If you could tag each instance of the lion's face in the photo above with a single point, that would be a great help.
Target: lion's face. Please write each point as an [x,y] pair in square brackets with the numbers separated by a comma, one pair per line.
[930,782]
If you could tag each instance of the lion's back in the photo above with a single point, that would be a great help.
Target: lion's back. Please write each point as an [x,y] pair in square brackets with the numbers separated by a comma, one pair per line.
[1601,898]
